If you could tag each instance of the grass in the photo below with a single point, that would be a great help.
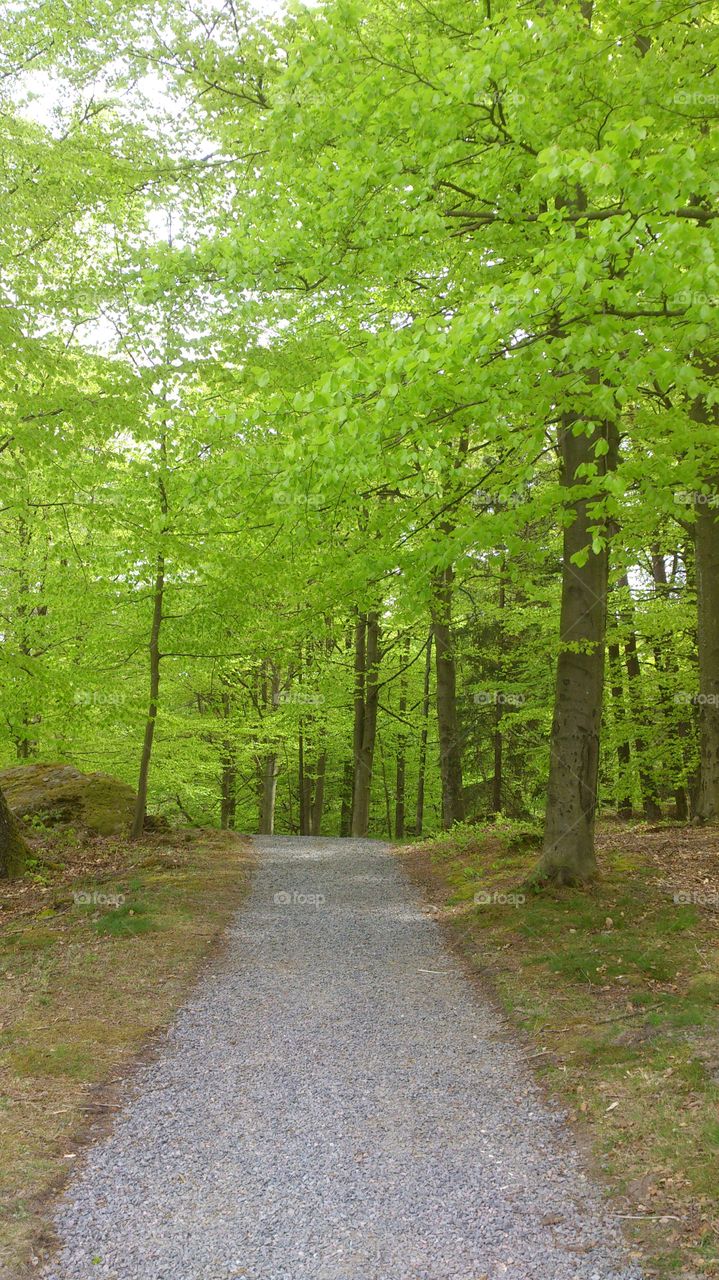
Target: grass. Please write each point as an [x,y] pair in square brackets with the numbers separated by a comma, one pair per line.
[616,988]
[100,943]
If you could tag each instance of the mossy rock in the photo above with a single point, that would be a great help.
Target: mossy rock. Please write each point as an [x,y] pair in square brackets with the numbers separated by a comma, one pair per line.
[60,795]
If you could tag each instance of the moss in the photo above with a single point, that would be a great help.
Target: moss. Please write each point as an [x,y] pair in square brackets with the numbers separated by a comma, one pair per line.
[60,795]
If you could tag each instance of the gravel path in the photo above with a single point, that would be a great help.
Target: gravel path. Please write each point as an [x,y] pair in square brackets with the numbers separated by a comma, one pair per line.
[334,1103]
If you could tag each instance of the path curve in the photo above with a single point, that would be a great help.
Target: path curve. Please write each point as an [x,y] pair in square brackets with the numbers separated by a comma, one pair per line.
[334,1103]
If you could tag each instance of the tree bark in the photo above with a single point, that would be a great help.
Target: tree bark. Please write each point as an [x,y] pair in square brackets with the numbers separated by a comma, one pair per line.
[270,774]
[568,855]
[497,738]
[138,820]
[624,754]
[319,794]
[422,761]
[365,756]
[650,803]
[401,763]
[158,600]
[450,752]
[665,664]
[706,543]
[13,849]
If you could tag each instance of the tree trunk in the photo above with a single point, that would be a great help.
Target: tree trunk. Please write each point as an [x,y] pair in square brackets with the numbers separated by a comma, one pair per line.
[304,787]
[138,820]
[450,753]
[568,855]
[401,765]
[360,662]
[650,803]
[665,663]
[706,543]
[270,774]
[319,794]
[365,757]
[13,849]
[422,761]
[624,754]
[158,600]
[228,782]
[498,741]
[346,805]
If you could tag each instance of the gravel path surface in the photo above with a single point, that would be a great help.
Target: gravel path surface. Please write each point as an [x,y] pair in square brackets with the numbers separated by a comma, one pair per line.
[334,1103]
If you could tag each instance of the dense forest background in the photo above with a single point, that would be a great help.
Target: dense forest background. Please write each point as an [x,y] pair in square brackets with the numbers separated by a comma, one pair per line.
[360,462]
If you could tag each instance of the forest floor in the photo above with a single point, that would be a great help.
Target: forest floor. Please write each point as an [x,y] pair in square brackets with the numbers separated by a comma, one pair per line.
[615,990]
[100,944]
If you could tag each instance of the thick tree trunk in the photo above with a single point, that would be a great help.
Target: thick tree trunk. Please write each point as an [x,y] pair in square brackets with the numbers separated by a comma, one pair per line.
[365,756]
[568,855]
[270,772]
[450,751]
[13,849]
[706,543]
[422,761]
[138,820]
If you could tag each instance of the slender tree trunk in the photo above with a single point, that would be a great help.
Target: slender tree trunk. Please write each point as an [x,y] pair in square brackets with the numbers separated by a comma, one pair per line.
[13,849]
[706,543]
[319,794]
[624,754]
[422,761]
[568,855]
[228,783]
[228,776]
[650,803]
[158,600]
[304,785]
[665,664]
[385,788]
[450,753]
[498,741]
[346,804]
[138,820]
[360,664]
[365,757]
[401,764]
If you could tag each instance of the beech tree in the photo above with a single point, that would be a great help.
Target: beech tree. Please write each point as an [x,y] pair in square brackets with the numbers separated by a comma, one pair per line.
[360,468]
